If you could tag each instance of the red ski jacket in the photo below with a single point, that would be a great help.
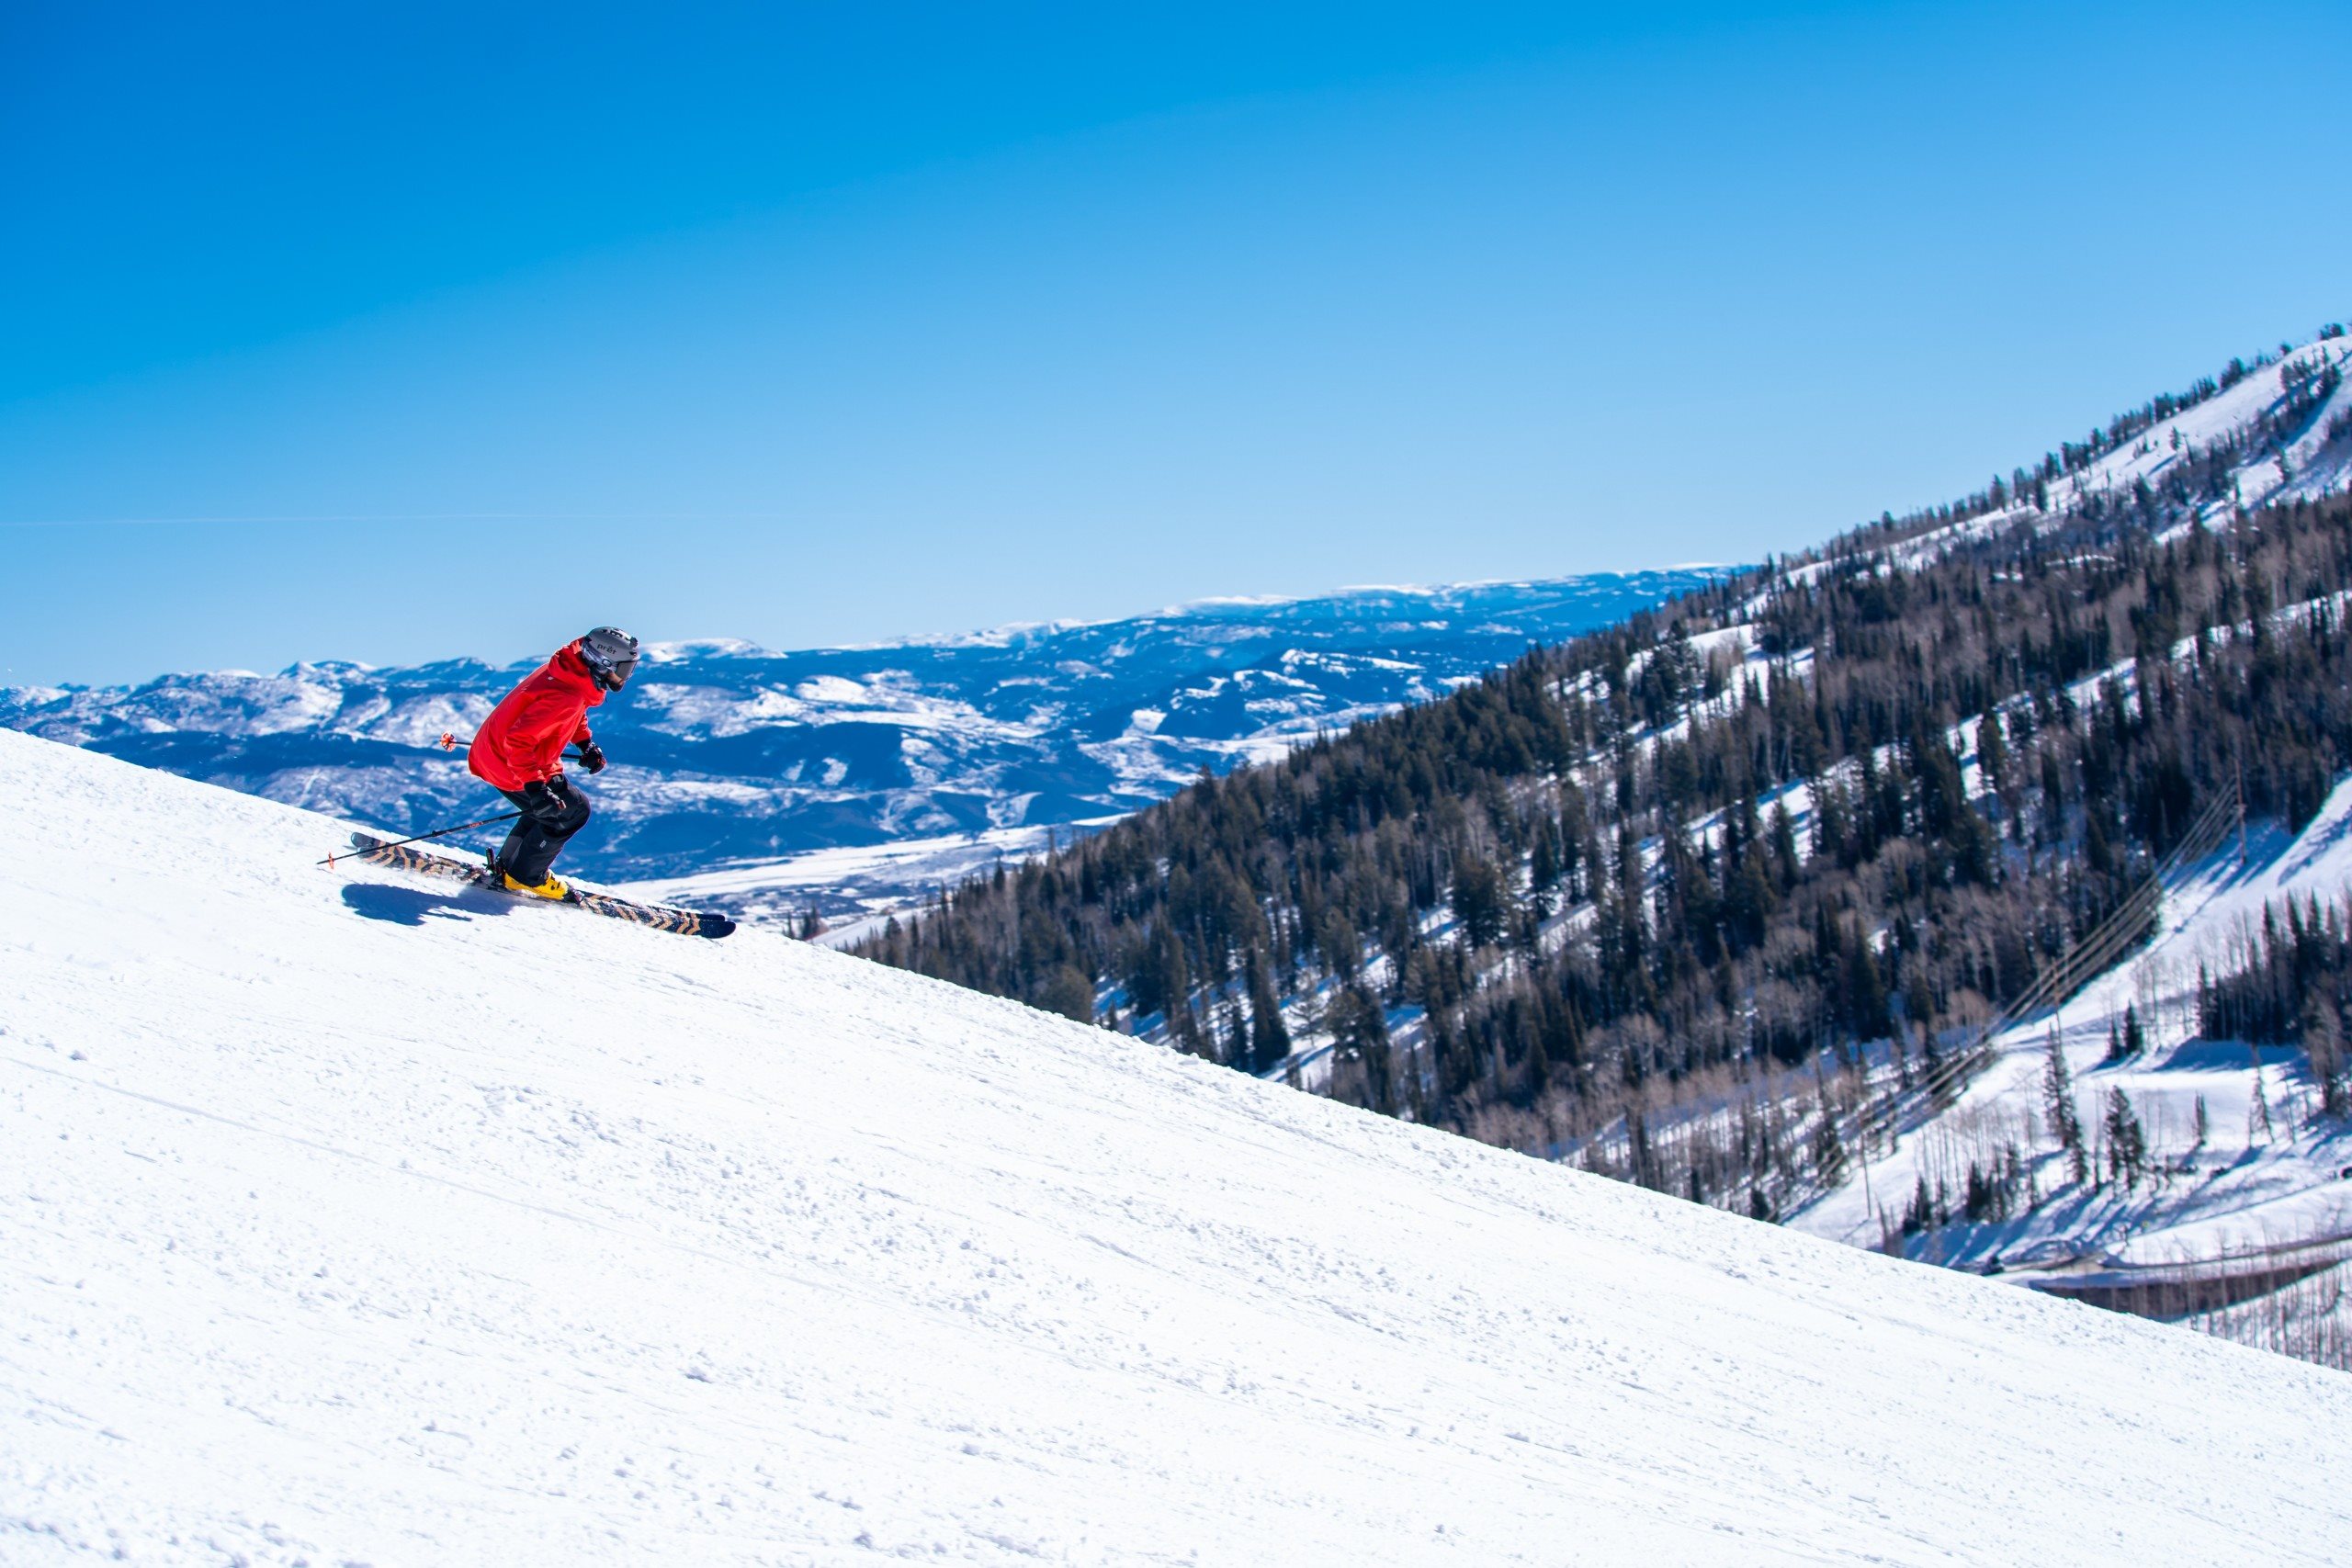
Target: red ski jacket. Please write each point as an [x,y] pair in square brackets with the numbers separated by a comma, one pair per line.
[525,736]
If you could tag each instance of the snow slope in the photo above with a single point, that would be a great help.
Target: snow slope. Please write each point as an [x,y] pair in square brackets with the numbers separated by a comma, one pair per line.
[362,1219]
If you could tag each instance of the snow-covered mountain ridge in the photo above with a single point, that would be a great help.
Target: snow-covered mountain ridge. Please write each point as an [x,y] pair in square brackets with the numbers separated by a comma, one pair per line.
[730,756]
[374,1221]
[2277,431]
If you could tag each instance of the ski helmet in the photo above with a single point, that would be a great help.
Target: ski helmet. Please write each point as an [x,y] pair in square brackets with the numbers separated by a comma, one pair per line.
[610,654]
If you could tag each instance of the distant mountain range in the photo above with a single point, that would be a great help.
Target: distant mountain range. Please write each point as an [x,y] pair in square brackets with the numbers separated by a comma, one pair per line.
[845,778]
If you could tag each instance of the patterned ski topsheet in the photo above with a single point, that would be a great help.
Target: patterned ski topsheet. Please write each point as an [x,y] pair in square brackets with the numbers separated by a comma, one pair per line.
[686,923]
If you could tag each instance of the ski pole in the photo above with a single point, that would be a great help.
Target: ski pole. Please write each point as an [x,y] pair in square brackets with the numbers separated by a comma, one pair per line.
[437,833]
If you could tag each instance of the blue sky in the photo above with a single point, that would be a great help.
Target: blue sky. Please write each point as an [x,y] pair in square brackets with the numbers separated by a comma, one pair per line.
[395,332]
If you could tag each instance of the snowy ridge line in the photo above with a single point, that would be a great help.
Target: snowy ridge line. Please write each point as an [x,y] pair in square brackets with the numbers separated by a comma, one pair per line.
[2216,420]
[1011,631]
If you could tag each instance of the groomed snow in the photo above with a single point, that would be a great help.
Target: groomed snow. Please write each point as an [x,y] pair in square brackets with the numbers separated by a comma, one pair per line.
[347,1218]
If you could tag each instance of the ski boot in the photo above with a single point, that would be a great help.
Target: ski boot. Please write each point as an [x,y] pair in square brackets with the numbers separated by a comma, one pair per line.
[550,889]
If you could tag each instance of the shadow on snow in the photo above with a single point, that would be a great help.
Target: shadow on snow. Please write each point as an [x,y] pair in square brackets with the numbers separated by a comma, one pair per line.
[412,907]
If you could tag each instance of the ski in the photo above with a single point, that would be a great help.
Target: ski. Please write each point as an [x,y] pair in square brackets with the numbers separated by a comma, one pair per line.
[400,857]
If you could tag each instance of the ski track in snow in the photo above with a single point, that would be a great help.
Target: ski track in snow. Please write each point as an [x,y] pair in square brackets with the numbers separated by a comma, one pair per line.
[349,1219]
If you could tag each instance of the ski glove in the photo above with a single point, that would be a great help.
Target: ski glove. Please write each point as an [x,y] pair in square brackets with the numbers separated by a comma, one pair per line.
[592,756]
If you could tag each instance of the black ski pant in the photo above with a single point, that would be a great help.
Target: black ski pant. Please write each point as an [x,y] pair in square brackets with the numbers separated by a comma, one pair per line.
[531,848]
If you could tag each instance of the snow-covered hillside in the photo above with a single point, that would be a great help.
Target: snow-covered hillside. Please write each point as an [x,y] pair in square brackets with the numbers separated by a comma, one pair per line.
[367,1221]
[2240,1162]
[2280,432]
[793,775]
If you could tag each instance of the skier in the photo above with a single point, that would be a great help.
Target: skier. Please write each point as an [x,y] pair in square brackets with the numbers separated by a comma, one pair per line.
[519,752]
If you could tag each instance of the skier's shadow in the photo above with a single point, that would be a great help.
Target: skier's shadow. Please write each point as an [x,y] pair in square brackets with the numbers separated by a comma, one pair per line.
[412,906]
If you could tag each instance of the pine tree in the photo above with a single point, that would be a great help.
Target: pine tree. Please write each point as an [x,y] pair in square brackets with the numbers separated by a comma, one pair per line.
[1270,1041]
[1360,1040]
[2127,1142]
[1481,901]
[1992,752]
[1920,1213]
[1544,867]
[1865,990]
[2058,1102]
[1068,992]
[1828,1148]
[2323,1043]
